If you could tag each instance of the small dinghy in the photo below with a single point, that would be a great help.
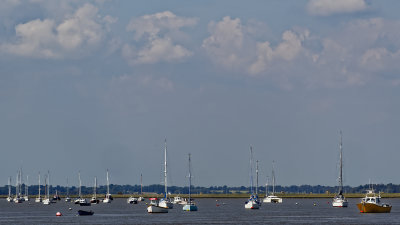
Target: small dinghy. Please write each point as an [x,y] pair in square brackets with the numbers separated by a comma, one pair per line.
[85,213]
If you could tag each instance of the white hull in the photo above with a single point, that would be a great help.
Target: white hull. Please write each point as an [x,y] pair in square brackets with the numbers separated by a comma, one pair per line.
[251,205]
[68,199]
[9,199]
[340,203]
[156,209]
[165,204]
[189,207]
[106,200]
[46,201]
[140,199]
[132,200]
[272,199]
[38,199]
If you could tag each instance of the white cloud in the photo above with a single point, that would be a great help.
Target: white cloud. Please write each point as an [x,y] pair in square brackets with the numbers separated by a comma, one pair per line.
[226,42]
[160,33]
[45,39]
[287,50]
[329,7]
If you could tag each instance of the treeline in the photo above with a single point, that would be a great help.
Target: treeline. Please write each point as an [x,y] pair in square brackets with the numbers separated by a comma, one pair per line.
[155,188]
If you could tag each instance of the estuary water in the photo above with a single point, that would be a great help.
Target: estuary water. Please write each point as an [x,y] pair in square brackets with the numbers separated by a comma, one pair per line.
[229,211]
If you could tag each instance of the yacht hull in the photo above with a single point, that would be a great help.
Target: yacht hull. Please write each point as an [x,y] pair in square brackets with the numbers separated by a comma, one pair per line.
[251,205]
[273,199]
[373,208]
[156,209]
[189,207]
[339,203]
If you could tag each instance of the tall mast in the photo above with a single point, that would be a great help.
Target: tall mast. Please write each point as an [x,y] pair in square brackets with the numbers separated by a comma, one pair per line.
[141,185]
[39,185]
[266,187]
[48,186]
[190,182]
[9,186]
[165,168]
[273,178]
[108,185]
[251,170]
[26,185]
[17,186]
[256,177]
[341,166]
[67,188]
[95,187]
[80,184]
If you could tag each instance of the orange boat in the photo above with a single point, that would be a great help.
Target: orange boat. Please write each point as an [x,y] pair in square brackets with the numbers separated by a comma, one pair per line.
[372,204]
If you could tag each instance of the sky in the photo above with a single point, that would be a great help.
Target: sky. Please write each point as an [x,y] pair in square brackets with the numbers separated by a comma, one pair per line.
[94,85]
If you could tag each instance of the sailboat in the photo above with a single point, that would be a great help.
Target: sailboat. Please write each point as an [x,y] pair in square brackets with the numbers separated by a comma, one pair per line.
[141,198]
[67,198]
[272,198]
[26,196]
[339,200]
[108,197]
[9,198]
[190,206]
[94,199]
[165,202]
[252,201]
[18,198]
[79,199]
[38,198]
[46,200]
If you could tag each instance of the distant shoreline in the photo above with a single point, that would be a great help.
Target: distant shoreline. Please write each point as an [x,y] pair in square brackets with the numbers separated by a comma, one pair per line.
[242,195]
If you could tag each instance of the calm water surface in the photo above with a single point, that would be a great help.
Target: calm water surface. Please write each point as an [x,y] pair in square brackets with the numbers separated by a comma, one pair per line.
[231,212]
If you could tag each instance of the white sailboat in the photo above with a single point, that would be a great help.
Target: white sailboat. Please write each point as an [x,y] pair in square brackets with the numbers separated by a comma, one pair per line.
[94,199]
[190,206]
[272,198]
[46,200]
[18,198]
[251,202]
[9,198]
[339,200]
[108,197]
[78,200]
[26,197]
[38,198]
[141,198]
[165,202]
[67,198]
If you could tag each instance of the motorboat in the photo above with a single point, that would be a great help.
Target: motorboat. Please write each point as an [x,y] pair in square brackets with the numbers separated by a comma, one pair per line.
[84,202]
[132,200]
[153,206]
[85,213]
[371,203]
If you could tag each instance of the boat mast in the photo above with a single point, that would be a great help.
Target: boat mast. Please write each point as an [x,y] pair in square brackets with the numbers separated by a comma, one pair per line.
[67,188]
[39,185]
[9,186]
[95,186]
[273,178]
[108,185]
[80,184]
[251,170]
[141,185]
[48,187]
[266,187]
[165,168]
[26,185]
[190,182]
[341,166]
[256,177]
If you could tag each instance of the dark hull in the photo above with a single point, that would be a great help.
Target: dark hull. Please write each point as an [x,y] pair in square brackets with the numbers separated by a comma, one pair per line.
[85,213]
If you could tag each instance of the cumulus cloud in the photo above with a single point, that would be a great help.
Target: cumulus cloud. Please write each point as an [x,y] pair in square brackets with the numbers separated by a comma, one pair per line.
[329,7]
[47,39]
[288,49]
[226,42]
[160,33]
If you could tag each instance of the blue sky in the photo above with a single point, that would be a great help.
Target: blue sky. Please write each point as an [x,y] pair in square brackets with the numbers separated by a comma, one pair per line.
[91,85]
